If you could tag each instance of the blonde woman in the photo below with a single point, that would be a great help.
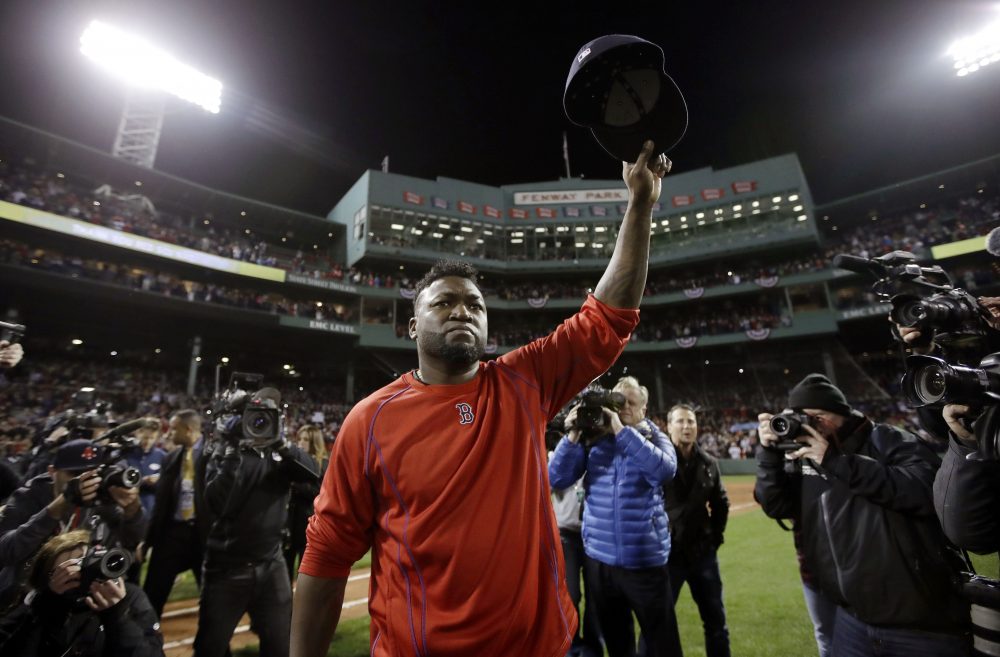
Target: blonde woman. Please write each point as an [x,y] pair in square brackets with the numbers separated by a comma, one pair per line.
[66,613]
[310,440]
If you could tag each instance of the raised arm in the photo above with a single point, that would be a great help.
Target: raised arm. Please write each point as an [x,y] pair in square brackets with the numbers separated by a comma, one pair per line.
[624,280]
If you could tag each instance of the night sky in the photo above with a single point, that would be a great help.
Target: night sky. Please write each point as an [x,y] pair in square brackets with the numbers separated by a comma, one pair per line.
[317,92]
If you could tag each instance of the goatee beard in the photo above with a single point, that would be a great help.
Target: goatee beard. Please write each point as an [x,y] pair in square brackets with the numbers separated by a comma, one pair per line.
[454,354]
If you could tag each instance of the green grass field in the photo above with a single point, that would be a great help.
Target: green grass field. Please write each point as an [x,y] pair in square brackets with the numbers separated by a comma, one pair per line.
[763,596]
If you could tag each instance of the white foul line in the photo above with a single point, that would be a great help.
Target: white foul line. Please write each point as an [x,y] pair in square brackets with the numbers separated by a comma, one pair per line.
[245,628]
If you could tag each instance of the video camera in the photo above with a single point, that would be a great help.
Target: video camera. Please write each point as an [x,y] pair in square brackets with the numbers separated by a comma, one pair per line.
[247,413]
[923,298]
[86,413]
[931,381]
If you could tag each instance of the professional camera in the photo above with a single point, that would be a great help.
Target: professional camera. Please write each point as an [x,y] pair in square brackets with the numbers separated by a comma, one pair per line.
[954,313]
[931,381]
[590,411]
[923,298]
[787,427]
[110,469]
[86,413]
[247,413]
[593,401]
[100,564]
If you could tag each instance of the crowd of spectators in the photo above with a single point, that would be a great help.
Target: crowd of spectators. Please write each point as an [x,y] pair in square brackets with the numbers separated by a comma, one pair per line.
[730,316]
[919,229]
[40,388]
[916,230]
[132,213]
[166,284]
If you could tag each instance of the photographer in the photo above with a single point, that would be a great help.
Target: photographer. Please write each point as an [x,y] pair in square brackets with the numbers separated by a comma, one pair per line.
[65,615]
[624,461]
[71,495]
[178,525]
[247,486]
[967,487]
[860,495]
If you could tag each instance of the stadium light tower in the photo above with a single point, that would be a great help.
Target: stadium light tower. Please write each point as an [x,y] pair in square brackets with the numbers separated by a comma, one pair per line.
[976,51]
[150,73]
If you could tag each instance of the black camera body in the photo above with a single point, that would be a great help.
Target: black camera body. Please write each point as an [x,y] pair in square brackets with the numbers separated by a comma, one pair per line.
[953,316]
[85,414]
[788,426]
[590,412]
[932,381]
[112,472]
[246,413]
[100,564]
[923,298]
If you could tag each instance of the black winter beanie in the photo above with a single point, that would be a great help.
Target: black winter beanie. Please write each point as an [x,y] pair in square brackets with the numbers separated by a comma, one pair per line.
[816,391]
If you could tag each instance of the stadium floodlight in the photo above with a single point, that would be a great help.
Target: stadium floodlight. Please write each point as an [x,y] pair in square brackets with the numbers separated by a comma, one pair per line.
[976,51]
[143,65]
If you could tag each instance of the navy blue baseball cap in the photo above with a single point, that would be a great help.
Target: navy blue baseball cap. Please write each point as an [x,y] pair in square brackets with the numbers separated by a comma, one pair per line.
[77,456]
[618,88]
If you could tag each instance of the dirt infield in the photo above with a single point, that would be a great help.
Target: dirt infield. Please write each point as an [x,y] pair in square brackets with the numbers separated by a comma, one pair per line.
[181,617]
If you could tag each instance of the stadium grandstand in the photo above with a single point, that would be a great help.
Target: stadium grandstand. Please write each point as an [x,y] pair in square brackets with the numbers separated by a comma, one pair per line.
[140,282]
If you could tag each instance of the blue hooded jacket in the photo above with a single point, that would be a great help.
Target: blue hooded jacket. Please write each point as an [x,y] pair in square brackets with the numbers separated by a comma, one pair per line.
[624,520]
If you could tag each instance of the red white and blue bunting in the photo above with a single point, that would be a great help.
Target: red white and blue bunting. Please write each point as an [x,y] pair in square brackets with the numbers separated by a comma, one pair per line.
[767,281]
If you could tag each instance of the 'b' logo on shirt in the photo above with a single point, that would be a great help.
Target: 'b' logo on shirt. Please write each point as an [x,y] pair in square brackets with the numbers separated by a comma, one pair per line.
[465,415]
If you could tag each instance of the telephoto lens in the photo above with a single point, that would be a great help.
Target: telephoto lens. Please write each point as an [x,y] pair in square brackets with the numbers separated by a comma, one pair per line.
[931,381]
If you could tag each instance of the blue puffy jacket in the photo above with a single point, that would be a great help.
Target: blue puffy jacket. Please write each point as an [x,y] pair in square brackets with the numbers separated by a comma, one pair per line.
[624,521]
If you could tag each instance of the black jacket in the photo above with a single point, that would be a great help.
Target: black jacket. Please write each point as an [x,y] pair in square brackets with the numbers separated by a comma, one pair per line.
[868,530]
[10,480]
[167,493]
[695,490]
[25,526]
[246,492]
[52,626]
[300,504]
[967,499]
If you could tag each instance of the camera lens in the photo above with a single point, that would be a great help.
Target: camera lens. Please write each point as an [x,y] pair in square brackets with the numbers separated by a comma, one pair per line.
[258,425]
[931,384]
[779,425]
[131,477]
[115,563]
[909,313]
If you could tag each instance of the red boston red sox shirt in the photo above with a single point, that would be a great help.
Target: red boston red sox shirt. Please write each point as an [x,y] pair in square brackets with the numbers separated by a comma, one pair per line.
[448,485]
